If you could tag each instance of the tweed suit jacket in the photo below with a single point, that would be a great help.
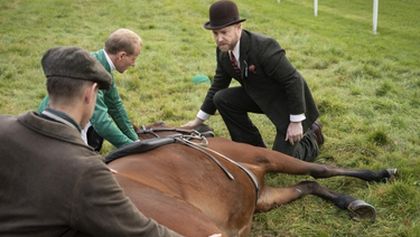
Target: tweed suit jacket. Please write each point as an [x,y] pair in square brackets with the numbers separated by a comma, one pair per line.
[268,78]
[53,184]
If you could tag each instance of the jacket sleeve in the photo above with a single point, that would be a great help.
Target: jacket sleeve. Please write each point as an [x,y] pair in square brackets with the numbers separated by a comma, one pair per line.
[221,81]
[100,208]
[105,126]
[277,66]
[118,113]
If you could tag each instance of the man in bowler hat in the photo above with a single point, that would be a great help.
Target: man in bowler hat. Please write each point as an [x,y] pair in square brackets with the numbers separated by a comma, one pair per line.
[52,183]
[269,85]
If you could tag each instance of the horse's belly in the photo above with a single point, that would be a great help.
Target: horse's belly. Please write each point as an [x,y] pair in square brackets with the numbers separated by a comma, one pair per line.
[189,180]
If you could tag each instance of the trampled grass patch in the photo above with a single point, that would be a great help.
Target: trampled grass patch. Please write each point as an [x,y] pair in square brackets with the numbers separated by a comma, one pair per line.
[367,86]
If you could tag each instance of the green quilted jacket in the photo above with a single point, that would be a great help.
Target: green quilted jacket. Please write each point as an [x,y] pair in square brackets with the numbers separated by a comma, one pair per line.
[110,120]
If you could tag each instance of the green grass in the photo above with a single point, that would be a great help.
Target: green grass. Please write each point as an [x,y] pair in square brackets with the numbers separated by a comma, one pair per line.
[367,86]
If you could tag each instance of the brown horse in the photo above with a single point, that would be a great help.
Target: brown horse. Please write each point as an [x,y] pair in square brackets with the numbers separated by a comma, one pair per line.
[203,186]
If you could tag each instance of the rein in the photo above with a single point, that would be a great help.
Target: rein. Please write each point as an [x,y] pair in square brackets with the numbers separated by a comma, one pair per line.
[207,151]
[185,136]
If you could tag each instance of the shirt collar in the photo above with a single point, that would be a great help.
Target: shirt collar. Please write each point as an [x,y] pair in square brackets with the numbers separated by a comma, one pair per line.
[60,117]
[108,59]
[235,50]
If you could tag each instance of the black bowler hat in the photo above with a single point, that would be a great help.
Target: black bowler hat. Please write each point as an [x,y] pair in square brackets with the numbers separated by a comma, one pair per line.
[74,63]
[222,13]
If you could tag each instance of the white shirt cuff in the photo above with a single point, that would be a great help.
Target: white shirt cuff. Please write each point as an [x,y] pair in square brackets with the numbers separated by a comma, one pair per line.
[203,115]
[297,118]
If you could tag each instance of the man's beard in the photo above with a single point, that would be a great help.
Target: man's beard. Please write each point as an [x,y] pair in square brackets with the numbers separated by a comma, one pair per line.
[225,47]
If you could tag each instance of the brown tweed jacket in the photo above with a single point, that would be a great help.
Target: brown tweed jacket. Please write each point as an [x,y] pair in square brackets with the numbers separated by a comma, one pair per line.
[52,184]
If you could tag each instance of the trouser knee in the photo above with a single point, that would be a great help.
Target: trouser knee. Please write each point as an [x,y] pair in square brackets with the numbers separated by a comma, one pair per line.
[219,99]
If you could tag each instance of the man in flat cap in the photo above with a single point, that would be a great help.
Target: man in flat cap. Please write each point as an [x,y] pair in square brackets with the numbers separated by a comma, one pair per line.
[52,183]
[270,85]
[110,120]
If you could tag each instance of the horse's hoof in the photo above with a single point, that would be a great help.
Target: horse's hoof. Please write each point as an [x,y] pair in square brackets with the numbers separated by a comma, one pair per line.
[392,174]
[360,209]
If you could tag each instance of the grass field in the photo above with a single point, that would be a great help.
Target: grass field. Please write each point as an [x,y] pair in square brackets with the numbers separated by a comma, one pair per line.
[367,86]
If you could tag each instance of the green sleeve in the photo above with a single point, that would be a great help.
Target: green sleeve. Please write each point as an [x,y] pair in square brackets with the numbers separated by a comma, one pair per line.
[105,126]
[117,111]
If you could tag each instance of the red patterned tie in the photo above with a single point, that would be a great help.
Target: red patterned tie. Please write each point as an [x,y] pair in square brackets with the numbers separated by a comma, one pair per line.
[236,69]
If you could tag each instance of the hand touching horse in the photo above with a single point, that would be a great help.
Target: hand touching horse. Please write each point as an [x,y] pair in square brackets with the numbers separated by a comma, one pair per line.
[202,186]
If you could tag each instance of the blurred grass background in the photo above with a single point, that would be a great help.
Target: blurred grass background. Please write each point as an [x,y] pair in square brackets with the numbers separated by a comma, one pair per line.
[366,86]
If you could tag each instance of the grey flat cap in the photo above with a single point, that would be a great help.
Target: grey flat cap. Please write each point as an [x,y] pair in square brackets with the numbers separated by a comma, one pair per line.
[74,63]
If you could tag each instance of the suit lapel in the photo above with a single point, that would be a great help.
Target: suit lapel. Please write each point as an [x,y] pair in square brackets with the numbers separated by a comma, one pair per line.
[225,60]
[243,53]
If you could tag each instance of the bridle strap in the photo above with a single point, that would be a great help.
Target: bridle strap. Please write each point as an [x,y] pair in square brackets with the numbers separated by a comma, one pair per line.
[154,131]
[206,150]
[185,136]
[187,142]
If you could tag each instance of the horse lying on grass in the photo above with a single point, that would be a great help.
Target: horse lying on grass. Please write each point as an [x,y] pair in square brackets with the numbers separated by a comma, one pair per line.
[201,186]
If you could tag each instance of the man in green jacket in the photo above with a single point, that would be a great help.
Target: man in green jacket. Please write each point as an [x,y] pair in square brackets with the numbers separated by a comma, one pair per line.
[110,120]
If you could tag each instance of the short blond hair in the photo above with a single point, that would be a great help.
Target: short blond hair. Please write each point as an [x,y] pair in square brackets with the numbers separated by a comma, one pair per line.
[123,40]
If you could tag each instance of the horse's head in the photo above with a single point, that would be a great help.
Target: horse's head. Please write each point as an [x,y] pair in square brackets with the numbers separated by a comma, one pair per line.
[160,129]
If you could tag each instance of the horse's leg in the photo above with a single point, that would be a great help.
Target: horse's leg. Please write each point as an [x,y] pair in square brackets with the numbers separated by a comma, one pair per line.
[262,160]
[358,208]
[272,197]
[273,161]
[368,175]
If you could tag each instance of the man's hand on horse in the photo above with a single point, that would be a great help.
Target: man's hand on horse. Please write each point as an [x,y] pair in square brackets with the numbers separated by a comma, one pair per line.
[294,132]
[193,123]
